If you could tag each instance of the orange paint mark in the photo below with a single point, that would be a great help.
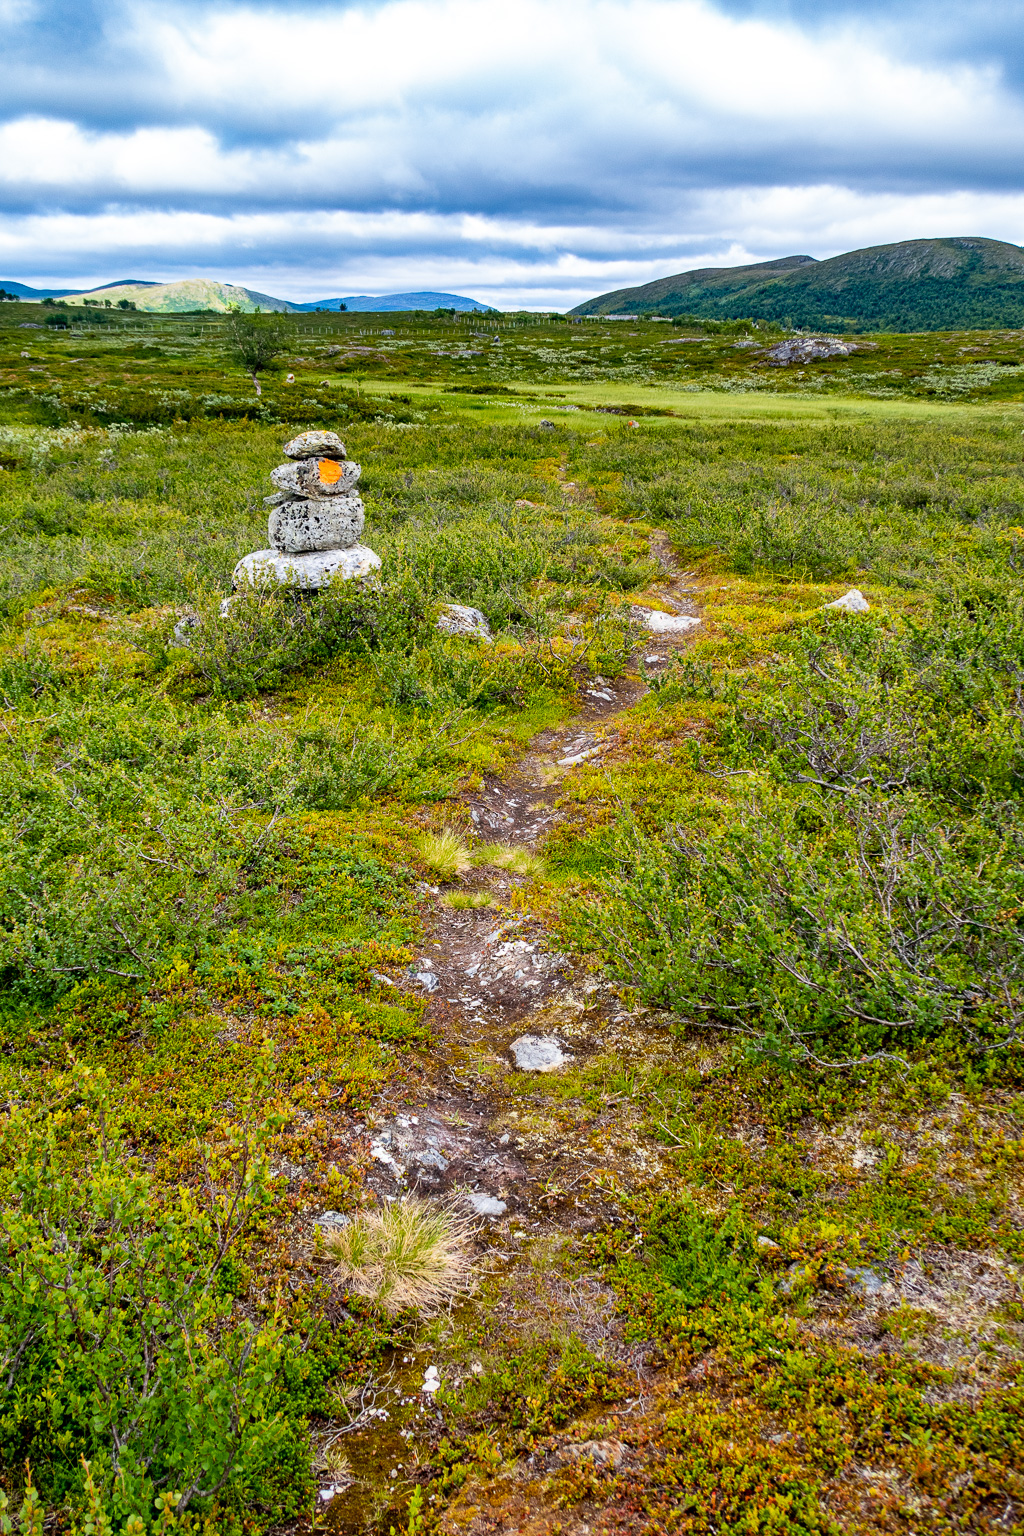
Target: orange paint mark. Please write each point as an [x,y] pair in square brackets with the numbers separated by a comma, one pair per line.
[330,472]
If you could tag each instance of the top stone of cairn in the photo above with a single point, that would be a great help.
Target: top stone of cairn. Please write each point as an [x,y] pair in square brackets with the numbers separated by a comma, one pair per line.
[315,445]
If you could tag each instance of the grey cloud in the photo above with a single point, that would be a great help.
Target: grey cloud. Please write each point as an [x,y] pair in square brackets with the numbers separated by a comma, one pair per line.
[580,145]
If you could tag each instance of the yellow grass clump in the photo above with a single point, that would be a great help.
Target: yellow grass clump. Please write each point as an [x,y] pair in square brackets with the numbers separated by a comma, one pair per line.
[519,861]
[413,1254]
[461,901]
[444,853]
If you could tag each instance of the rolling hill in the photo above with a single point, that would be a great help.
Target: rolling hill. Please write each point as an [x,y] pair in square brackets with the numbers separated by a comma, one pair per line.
[191,293]
[914,285]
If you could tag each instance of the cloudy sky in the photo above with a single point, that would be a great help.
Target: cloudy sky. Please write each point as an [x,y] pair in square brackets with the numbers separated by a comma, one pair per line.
[525,152]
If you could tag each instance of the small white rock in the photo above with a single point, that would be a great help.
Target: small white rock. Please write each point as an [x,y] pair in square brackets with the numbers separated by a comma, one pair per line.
[456,619]
[432,1380]
[331,1221]
[183,629]
[486,1205]
[580,757]
[538,1053]
[851,602]
[664,623]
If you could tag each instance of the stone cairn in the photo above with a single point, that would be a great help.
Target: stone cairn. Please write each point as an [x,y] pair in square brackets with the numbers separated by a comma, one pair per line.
[316,519]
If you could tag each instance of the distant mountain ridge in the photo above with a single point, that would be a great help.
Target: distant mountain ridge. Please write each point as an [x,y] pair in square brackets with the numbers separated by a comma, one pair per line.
[382,302]
[956,282]
[200,293]
[60,293]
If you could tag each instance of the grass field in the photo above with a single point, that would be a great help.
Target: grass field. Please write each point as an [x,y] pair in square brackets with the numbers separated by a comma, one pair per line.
[758,1263]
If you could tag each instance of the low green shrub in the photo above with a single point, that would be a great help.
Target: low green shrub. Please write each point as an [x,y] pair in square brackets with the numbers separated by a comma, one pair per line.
[682,1261]
[118,1334]
[931,705]
[811,926]
[87,888]
[267,632]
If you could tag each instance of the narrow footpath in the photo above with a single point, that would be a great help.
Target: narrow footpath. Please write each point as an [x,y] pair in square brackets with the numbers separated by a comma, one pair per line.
[506,1011]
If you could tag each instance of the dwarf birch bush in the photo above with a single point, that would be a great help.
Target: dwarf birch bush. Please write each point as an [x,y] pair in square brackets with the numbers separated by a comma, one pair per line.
[86,890]
[118,1337]
[817,927]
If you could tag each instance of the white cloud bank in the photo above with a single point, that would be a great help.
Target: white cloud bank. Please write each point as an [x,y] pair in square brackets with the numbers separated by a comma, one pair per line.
[523,152]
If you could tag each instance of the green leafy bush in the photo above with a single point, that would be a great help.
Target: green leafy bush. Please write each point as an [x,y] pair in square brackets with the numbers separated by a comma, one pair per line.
[931,705]
[118,1335]
[267,632]
[811,925]
[684,1261]
[103,870]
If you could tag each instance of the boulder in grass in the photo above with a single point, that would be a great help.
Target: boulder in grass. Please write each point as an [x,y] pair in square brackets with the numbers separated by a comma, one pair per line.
[807,349]
[316,477]
[308,572]
[455,619]
[306,527]
[851,602]
[664,623]
[315,444]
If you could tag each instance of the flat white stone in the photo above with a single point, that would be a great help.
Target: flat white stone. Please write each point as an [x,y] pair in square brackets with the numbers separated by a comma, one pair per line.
[331,1221]
[538,1053]
[265,567]
[851,602]
[308,527]
[455,619]
[580,757]
[486,1205]
[326,445]
[665,623]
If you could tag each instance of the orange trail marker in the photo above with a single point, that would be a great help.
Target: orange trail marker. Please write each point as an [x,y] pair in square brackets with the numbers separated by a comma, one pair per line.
[330,471]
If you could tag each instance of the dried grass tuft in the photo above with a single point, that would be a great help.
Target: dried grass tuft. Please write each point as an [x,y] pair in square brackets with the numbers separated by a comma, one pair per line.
[462,901]
[411,1254]
[444,853]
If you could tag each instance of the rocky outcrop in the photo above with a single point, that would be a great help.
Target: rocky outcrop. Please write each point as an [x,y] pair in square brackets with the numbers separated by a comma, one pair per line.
[807,349]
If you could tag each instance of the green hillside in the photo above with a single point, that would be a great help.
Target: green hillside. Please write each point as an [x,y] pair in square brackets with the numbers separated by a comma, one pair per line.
[192,293]
[914,285]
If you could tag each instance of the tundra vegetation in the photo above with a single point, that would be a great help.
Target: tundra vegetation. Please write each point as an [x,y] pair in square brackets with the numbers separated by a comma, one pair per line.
[761,1268]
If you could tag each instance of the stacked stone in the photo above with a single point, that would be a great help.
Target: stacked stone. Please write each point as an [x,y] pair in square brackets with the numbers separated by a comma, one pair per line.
[316,519]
